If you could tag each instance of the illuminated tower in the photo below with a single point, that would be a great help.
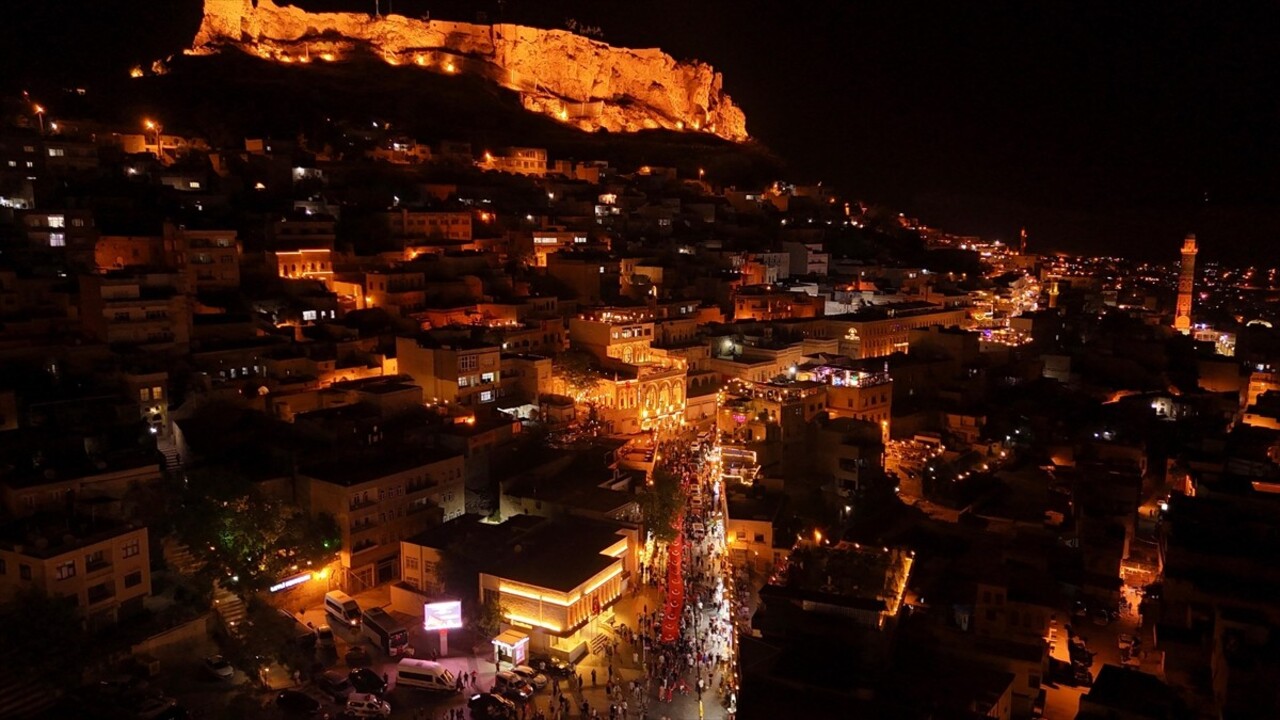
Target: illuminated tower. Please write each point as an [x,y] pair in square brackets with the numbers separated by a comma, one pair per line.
[1022,242]
[1186,285]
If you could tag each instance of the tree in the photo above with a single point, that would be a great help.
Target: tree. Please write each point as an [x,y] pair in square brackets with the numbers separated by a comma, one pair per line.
[576,370]
[268,636]
[489,616]
[250,537]
[662,504]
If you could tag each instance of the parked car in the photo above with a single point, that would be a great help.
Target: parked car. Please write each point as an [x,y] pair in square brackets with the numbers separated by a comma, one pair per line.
[488,705]
[218,667]
[511,685]
[324,638]
[292,702]
[358,656]
[531,676]
[333,684]
[553,667]
[365,680]
[367,705]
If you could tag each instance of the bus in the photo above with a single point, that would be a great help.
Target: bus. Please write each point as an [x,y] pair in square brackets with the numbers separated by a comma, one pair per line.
[385,632]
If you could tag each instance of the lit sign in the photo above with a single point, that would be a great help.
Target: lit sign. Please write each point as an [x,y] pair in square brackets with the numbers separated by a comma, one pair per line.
[442,615]
[290,582]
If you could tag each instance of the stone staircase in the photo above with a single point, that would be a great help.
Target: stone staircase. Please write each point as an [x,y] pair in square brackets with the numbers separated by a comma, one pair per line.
[179,557]
[172,462]
[24,698]
[230,609]
[600,642]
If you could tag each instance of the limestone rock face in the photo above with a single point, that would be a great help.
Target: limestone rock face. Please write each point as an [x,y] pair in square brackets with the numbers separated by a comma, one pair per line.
[577,80]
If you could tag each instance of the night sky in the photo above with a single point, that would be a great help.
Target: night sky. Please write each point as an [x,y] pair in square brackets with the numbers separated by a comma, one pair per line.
[1100,126]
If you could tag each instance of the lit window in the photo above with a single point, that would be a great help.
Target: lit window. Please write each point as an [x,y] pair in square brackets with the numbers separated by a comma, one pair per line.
[65,570]
[308,314]
[57,239]
[55,221]
[486,396]
[56,152]
[131,548]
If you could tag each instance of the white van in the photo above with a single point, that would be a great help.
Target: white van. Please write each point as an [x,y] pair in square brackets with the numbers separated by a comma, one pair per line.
[425,675]
[342,609]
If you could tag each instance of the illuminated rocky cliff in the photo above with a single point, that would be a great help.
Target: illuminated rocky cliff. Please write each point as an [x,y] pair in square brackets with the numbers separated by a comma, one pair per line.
[577,80]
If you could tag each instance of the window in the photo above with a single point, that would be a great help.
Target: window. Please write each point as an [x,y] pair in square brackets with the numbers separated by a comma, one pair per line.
[55,221]
[95,560]
[411,563]
[157,392]
[486,396]
[130,549]
[65,570]
[133,579]
[308,314]
[144,394]
[57,152]
[486,377]
[741,536]
[462,381]
[468,362]
[57,239]
[24,571]
[759,537]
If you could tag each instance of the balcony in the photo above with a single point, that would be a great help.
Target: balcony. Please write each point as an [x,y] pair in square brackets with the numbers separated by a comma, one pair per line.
[416,508]
[359,503]
[363,546]
[94,566]
[427,484]
[100,593]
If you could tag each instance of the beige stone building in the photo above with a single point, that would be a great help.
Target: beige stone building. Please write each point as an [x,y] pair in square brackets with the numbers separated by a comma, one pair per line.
[380,500]
[101,565]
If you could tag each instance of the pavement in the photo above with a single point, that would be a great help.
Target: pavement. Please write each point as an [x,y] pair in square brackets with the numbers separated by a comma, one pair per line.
[629,663]
[1062,702]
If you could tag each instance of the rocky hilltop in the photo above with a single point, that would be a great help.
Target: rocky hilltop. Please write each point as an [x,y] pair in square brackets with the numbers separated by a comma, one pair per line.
[579,81]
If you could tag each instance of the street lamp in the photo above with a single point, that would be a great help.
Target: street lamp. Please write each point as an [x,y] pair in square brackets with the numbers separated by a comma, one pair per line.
[154,126]
[40,114]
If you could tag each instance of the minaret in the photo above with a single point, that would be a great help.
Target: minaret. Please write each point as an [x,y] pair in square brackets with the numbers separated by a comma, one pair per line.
[1186,286]
[1022,242]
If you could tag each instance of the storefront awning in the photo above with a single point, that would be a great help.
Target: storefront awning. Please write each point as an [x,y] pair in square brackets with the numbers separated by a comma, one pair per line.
[510,639]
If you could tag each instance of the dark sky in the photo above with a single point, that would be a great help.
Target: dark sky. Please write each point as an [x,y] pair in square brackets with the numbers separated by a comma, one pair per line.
[1097,125]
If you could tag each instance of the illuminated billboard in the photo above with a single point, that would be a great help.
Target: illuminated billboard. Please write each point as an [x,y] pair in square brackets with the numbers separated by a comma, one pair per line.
[442,615]
[289,582]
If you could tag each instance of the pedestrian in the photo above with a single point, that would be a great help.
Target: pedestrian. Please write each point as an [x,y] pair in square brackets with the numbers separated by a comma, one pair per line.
[593,677]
